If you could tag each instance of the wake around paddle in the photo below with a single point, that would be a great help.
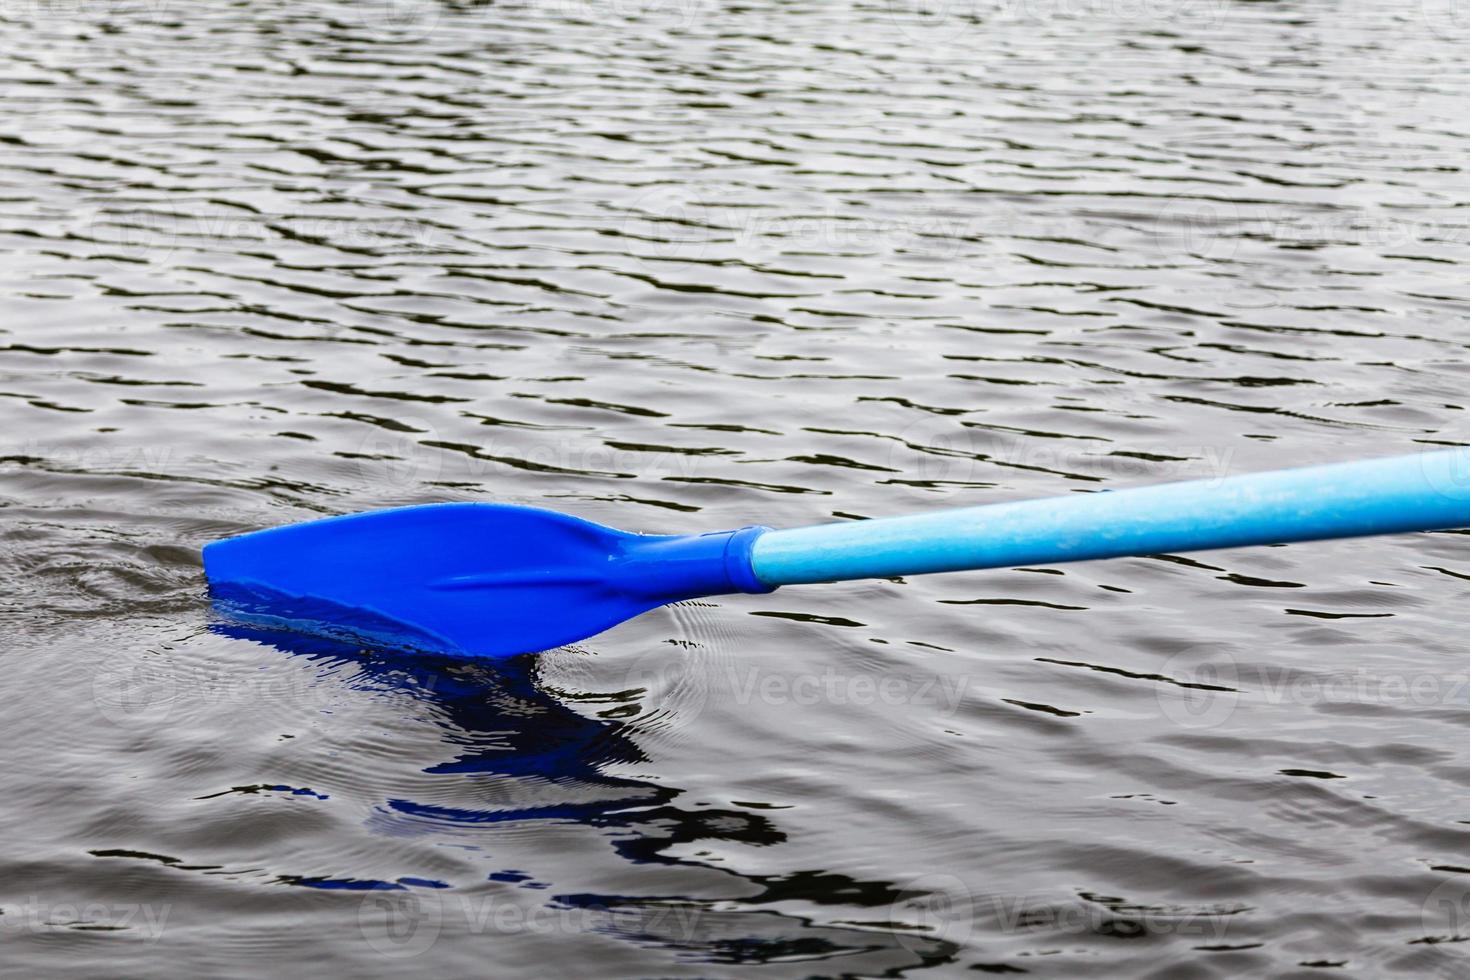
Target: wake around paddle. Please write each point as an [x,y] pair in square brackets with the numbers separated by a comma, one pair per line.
[493,580]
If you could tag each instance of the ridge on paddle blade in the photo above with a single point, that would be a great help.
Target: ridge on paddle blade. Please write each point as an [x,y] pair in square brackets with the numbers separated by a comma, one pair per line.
[474,580]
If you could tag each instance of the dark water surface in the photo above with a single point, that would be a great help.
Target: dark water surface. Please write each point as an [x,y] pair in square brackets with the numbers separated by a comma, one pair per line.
[678,265]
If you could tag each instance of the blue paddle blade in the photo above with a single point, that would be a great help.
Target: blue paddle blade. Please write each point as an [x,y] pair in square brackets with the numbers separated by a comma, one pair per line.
[470,580]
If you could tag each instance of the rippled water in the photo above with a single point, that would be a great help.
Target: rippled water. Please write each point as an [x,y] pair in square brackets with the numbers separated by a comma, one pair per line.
[675,265]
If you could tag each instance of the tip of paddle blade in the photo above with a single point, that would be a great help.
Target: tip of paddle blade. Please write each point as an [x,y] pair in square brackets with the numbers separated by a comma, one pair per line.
[469,580]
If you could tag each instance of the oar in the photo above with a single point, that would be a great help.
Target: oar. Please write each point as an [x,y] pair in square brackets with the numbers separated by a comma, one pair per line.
[492,580]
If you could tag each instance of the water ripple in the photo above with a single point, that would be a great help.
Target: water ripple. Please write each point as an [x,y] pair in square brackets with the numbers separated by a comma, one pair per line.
[676,266]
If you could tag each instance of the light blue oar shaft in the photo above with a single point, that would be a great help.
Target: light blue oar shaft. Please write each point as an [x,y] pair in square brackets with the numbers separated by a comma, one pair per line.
[1405,493]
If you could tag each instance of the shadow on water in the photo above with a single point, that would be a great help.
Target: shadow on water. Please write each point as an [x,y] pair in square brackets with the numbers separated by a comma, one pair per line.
[507,724]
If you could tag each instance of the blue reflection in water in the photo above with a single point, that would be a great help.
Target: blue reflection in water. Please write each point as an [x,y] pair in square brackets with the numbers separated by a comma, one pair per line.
[536,736]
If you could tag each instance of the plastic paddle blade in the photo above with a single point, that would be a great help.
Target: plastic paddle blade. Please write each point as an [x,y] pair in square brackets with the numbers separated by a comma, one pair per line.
[478,580]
